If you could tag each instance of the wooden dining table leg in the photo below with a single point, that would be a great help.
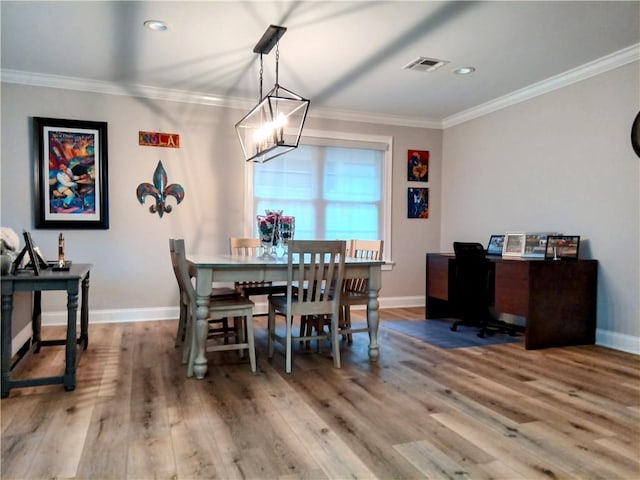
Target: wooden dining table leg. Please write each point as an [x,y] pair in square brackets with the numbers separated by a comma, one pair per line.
[374,284]
[203,290]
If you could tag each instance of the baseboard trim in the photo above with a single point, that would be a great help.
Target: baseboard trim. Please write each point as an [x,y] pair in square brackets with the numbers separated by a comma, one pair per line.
[618,341]
[604,338]
[171,313]
[117,316]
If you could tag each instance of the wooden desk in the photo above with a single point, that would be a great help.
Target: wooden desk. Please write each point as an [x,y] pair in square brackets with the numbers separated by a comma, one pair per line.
[558,298]
[227,268]
[73,281]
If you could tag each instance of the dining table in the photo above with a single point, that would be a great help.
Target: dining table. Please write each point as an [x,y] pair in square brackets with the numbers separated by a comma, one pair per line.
[211,268]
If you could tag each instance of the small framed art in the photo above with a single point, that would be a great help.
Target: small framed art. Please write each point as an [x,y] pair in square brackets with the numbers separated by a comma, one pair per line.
[562,246]
[71,174]
[418,165]
[513,244]
[418,202]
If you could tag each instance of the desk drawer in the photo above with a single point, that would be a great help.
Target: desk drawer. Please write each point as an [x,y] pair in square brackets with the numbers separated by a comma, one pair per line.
[512,287]
[438,276]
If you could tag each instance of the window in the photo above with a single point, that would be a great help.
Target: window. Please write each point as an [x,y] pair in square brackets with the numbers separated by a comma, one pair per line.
[335,187]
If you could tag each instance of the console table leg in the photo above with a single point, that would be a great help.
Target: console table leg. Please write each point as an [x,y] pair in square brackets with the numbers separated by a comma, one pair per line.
[71,344]
[7,307]
[84,313]
[36,320]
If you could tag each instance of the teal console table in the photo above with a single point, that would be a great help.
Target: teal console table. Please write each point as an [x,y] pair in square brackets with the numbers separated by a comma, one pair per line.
[75,282]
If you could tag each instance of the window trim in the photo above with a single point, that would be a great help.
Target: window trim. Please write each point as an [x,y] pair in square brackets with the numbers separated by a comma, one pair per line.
[345,136]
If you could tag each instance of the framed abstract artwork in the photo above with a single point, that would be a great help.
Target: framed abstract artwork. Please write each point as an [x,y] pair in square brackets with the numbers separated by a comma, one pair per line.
[71,174]
[418,165]
[418,202]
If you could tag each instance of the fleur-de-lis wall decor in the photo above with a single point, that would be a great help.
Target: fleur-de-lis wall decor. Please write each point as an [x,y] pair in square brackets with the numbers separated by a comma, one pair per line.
[160,191]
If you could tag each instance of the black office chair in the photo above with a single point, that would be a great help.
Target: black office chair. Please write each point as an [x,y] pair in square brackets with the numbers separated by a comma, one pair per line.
[473,289]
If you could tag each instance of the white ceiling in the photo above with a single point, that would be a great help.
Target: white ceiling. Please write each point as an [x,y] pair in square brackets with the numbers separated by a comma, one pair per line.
[346,56]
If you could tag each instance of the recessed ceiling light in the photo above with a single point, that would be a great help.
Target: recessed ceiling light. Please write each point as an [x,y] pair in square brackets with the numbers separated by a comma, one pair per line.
[156,25]
[464,70]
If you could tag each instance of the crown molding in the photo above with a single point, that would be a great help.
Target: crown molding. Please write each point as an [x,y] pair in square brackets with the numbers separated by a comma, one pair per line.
[123,89]
[601,65]
[371,117]
[200,98]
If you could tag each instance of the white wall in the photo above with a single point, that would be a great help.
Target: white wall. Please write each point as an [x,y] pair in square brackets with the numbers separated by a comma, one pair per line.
[131,277]
[559,162]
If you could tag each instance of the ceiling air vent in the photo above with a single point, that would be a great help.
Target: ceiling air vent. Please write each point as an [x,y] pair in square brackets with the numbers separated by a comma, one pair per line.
[425,64]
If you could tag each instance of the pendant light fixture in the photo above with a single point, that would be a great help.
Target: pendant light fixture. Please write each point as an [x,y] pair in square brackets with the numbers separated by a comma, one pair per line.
[273,127]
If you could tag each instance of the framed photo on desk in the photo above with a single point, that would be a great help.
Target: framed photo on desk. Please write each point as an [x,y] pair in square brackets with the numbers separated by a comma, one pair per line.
[496,244]
[513,244]
[535,244]
[562,246]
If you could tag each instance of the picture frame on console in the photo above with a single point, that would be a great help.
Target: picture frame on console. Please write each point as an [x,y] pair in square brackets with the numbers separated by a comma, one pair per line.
[29,259]
[562,246]
[71,181]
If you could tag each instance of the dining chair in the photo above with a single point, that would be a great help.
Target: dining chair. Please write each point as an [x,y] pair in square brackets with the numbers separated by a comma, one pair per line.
[249,247]
[220,307]
[354,292]
[318,266]
[216,292]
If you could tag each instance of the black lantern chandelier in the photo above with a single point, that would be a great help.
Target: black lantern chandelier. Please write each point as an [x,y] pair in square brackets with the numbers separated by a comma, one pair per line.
[273,127]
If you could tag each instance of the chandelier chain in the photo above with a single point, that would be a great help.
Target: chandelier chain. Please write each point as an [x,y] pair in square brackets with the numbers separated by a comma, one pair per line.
[261,71]
[277,61]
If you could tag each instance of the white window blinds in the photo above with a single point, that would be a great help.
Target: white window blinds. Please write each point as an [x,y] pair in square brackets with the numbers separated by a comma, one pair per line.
[335,188]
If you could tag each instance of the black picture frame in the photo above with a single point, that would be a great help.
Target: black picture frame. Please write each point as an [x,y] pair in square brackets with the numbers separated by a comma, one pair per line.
[71,174]
[562,246]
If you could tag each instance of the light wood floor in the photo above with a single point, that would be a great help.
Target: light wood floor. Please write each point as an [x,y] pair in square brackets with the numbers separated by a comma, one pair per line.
[497,412]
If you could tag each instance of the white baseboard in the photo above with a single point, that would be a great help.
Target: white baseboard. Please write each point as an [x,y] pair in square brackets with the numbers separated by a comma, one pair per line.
[618,341]
[20,339]
[605,338]
[116,316]
[171,313]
